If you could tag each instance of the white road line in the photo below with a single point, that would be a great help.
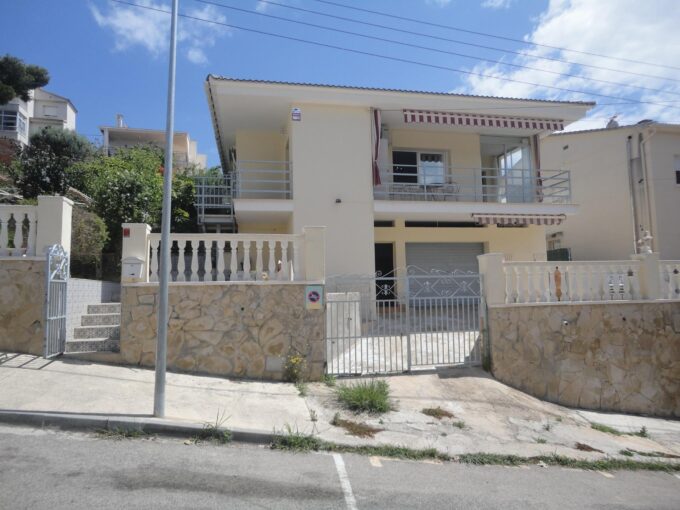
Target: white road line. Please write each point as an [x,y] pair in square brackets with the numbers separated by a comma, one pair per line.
[344,482]
[375,461]
[677,476]
[605,474]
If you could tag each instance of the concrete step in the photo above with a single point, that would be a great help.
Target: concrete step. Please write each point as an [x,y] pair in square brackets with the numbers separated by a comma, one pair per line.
[88,332]
[92,345]
[103,308]
[100,319]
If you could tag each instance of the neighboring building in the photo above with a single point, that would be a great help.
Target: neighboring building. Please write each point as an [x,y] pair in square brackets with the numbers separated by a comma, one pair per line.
[399,178]
[626,180]
[20,119]
[185,152]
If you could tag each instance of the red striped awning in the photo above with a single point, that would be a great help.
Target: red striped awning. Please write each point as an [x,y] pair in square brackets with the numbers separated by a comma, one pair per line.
[519,219]
[480,120]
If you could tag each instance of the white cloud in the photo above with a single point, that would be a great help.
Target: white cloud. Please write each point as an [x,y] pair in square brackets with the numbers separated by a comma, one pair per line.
[440,3]
[496,4]
[642,31]
[261,6]
[136,27]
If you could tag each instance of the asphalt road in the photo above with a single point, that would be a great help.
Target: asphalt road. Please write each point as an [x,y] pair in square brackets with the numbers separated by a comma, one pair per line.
[55,469]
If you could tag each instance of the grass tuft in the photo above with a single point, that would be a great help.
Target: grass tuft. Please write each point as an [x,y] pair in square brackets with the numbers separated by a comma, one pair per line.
[214,431]
[540,440]
[460,424]
[365,396]
[353,428]
[642,432]
[437,412]
[329,380]
[302,388]
[118,434]
[605,428]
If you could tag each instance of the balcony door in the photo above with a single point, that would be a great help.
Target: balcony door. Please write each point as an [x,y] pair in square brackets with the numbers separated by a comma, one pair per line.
[508,168]
[418,167]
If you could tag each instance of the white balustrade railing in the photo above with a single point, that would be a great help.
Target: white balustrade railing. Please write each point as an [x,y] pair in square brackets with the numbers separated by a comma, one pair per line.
[552,282]
[18,230]
[230,257]
[669,278]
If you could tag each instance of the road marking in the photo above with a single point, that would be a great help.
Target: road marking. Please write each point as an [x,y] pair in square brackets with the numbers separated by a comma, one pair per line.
[344,482]
[375,461]
[605,474]
[677,476]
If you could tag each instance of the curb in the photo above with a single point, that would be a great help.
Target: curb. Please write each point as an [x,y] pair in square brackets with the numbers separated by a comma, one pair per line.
[147,424]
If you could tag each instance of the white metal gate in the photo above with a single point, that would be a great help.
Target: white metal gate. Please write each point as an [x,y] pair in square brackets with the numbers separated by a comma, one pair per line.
[57,274]
[405,320]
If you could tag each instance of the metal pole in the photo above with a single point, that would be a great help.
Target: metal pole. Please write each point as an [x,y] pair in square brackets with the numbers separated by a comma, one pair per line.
[164,269]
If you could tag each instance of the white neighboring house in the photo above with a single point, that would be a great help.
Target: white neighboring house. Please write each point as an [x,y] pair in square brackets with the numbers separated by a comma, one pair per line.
[626,180]
[185,150]
[20,119]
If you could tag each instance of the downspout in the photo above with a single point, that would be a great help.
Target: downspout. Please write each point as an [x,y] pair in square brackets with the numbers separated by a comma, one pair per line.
[645,176]
[633,194]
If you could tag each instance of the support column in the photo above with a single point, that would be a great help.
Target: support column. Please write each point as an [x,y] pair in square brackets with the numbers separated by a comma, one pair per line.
[493,278]
[314,253]
[649,278]
[136,246]
[54,223]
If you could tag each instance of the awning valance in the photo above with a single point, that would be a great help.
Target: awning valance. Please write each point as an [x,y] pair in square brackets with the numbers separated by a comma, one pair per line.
[480,120]
[519,219]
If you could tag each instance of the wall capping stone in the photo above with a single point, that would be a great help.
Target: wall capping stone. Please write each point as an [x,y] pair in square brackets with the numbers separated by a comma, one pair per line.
[251,282]
[580,303]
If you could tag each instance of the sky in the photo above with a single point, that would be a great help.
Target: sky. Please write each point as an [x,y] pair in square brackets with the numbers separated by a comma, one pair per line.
[110,58]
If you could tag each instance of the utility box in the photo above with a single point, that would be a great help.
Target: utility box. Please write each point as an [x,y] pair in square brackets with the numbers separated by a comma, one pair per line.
[132,270]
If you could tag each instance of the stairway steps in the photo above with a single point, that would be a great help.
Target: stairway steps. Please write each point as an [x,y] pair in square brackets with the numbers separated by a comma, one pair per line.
[92,345]
[100,319]
[86,332]
[102,308]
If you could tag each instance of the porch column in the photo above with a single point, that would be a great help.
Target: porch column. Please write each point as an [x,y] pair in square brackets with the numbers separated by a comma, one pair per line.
[493,277]
[135,246]
[650,281]
[54,223]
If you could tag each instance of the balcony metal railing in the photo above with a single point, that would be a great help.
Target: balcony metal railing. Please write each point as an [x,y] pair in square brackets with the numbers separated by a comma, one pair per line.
[262,179]
[455,184]
[214,197]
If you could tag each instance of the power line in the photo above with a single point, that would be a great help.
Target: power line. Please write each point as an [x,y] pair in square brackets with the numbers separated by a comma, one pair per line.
[397,59]
[493,48]
[429,48]
[495,36]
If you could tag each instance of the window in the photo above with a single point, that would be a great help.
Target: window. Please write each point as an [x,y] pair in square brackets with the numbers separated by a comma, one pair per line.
[676,167]
[418,167]
[12,121]
[49,111]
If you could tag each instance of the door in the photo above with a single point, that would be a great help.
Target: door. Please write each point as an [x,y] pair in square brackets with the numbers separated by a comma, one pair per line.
[443,269]
[384,271]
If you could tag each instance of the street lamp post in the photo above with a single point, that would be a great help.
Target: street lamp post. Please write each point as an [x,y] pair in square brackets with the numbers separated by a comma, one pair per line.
[164,269]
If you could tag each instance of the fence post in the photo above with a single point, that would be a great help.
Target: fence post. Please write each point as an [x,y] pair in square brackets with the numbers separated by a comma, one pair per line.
[493,278]
[54,223]
[650,281]
[136,246]
[314,253]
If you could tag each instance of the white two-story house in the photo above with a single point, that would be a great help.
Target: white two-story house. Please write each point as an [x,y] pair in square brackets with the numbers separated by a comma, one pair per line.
[399,178]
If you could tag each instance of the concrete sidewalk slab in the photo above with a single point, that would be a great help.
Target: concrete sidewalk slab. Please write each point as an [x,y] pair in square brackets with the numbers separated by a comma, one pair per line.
[34,384]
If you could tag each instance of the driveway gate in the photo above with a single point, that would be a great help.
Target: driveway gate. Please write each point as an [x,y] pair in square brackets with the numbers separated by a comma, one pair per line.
[401,321]
[57,273]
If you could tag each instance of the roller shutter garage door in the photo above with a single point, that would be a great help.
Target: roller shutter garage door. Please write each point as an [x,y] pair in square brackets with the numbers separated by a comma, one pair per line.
[429,259]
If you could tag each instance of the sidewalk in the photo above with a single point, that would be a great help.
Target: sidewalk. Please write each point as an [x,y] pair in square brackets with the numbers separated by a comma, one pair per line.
[488,417]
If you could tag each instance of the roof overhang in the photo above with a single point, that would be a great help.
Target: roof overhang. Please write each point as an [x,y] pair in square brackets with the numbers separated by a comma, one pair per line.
[265,105]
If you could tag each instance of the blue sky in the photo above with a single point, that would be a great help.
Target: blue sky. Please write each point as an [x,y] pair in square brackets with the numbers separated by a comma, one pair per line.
[110,58]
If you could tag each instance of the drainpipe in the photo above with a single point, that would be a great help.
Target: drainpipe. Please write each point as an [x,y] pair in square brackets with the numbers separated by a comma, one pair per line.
[633,194]
[645,176]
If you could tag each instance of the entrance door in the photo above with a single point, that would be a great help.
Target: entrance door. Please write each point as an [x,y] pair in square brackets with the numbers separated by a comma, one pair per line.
[384,271]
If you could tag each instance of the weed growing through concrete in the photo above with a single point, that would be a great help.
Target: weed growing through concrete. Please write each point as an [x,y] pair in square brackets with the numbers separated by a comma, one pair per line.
[302,388]
[329,380]
[214,431]
[547,426]
[460,424]
[353,428]
[629,452]
[118,434]
[606,429]
[294,440]
[365,396]
[540,440]
[437,412]
[642,432]
[586,448]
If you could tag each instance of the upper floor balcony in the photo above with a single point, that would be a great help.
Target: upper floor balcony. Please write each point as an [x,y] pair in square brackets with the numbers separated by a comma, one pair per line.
[436,183]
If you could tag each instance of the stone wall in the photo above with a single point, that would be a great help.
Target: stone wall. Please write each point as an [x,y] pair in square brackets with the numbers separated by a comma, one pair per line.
[232,329]
[621,357]
[22,294]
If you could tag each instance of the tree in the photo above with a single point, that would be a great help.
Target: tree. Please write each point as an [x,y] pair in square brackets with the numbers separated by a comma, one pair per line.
[43,167]
[183,198]
[18,79]
[88,238]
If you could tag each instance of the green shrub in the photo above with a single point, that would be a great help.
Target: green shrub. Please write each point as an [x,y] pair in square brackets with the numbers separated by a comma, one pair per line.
[370,396]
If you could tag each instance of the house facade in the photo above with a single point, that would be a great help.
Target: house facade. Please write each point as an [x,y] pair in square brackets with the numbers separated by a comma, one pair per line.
[185,150]
[20,119]
[626,180]
[399,178]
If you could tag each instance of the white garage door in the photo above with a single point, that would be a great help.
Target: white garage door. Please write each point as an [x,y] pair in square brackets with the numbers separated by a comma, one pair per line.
[430,263]
[447,257]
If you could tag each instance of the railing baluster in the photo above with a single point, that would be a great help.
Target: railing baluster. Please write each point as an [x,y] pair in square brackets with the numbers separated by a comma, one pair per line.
[233,260]
[271,260]
[194,261]
[284,272]
[4,227]
[246,260]
[181,260]
[219,260]
[258,260]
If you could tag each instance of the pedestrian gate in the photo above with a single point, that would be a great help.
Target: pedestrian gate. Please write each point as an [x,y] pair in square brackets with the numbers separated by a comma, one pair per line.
[57,274]
[405,320]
